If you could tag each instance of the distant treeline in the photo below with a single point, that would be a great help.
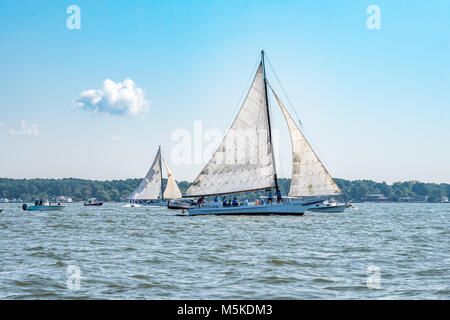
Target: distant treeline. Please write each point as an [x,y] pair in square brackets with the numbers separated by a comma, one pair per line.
[116,190]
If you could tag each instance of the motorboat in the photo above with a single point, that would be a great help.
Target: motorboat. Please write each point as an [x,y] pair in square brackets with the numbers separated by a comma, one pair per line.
[44,207]
[328,206]
[93,203]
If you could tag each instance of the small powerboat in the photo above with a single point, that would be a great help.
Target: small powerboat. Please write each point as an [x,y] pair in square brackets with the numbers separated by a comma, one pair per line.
[1,210]
[180,205]
[93,203]
[44,207]
[329,207]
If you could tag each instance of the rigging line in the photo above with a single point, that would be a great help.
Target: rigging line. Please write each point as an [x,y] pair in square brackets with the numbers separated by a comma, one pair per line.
[244,90]
[301,126]
[164,159]
[233,115]
[278,157]
[284,91]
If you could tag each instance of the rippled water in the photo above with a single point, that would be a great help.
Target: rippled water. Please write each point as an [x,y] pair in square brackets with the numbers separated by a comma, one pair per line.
[152,253]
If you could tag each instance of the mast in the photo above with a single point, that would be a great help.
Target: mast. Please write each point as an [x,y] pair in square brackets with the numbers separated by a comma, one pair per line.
[160,169]
[268,118]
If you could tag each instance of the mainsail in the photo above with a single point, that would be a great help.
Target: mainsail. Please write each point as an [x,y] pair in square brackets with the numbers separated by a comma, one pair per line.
[151,186]
[172,191]
[309,176]
[244,159]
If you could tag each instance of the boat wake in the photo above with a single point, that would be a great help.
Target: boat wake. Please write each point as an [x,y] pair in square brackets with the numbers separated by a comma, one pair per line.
[132,206]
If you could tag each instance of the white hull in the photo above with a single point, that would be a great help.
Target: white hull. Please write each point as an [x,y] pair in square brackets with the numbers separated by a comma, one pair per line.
[290,208]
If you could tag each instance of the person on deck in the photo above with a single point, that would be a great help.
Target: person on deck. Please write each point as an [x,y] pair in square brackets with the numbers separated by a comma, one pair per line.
[246,202]
[200,202]
[224,202]
[235,202]
[216,199]
[269,198]
[279,197]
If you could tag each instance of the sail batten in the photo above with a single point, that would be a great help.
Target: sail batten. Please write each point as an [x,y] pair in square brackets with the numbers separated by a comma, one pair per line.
[309,175]
[150,187]
[243,161]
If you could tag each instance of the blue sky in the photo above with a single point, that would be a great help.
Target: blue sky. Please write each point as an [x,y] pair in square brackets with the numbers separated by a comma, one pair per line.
[374,102]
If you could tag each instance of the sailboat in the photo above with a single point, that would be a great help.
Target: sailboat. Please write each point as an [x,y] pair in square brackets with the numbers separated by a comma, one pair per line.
[245,162]
[150,190]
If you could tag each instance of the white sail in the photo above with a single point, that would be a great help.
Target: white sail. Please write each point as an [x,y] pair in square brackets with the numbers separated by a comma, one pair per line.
[309,176]
[244,159]
[150,187]
[172,191]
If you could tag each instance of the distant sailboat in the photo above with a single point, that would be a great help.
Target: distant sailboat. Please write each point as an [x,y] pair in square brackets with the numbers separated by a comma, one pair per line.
[249,165]
[150,190]
[92,202]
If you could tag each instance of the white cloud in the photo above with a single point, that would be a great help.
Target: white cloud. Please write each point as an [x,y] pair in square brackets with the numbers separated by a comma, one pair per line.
[115,138]
[26,130]
[121,98]
[1,124]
